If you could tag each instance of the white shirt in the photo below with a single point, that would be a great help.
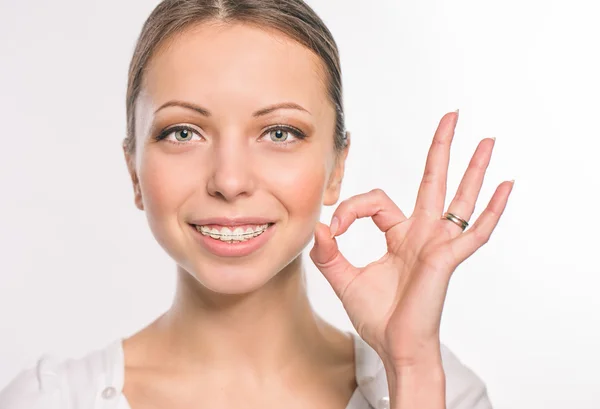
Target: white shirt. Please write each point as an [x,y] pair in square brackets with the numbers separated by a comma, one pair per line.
[96,382]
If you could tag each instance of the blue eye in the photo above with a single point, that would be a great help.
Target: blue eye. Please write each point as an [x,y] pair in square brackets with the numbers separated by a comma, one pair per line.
[178,134]
[281,134]
[183,135]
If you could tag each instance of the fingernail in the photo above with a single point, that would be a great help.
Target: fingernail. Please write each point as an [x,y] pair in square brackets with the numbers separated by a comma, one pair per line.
[334,226]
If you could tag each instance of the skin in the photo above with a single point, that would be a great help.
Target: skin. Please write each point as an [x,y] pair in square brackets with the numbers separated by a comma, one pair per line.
[241,331]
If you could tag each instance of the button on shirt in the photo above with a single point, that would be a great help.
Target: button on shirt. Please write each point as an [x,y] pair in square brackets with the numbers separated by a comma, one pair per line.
[96,382]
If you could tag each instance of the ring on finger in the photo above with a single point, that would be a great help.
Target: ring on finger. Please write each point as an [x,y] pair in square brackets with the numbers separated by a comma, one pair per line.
[462,223]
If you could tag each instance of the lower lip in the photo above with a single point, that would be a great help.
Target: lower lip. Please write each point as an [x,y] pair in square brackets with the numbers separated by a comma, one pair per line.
[243,248]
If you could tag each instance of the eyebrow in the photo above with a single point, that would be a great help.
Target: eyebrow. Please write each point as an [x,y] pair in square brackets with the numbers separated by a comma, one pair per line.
[205,112]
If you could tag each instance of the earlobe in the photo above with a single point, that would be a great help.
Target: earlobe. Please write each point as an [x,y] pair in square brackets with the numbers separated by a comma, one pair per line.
[332,195]
[139,203]
[333,191]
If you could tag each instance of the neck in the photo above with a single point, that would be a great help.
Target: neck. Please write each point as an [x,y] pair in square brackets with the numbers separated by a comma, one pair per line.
[266,331]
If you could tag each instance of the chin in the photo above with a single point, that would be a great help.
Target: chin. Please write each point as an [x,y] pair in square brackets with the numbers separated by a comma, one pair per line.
[244,277]
[232,280]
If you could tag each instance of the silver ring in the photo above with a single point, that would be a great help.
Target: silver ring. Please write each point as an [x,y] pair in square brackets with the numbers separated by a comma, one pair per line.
[456,220]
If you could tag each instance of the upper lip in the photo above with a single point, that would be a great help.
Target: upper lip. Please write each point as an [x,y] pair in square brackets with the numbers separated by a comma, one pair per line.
[231,221]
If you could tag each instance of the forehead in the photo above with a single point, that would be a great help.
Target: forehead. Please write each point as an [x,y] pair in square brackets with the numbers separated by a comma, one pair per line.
[233,66]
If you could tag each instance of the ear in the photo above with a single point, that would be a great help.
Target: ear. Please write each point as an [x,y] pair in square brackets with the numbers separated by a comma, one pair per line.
[130,160]
[334,185]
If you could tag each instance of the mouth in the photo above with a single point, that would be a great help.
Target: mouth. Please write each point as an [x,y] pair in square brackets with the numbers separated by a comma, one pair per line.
[232,234]
[233,240]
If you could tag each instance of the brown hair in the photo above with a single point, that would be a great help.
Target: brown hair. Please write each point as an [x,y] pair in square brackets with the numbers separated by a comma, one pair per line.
[293,18]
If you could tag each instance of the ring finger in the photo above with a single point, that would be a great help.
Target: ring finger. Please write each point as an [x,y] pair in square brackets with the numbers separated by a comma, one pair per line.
[463,204]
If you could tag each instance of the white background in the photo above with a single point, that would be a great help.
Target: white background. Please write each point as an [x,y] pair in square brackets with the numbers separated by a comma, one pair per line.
[79,266]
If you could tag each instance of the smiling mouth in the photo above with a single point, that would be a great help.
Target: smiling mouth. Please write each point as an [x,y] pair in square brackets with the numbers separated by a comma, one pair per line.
[232,234]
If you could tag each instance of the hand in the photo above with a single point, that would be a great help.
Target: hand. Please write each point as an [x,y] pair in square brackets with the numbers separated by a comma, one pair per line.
[395,303]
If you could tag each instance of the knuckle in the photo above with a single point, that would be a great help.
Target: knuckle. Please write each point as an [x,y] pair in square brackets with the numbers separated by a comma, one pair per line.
[494,214]
[439,142]
[429,176]
[378,192]
[346,203]
[379,197]
[481,237]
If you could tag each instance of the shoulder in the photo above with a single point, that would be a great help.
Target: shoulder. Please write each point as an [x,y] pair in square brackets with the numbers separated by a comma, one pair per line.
[33,388]
[464,389]
[59,384]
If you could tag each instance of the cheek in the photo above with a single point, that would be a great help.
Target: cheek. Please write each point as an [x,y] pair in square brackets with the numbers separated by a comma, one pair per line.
[165,184]
[159,183]
[299,183]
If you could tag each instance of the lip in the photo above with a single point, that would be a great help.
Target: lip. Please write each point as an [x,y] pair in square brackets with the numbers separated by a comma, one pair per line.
[241,249]
[232,221]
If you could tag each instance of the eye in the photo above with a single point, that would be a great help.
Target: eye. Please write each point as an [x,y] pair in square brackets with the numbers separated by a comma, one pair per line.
[282,134]
[179,134]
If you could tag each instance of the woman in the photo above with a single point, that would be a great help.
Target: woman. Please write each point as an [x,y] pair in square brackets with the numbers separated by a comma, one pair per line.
[236,138]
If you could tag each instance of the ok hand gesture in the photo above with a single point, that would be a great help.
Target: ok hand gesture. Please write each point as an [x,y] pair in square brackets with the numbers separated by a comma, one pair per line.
[395,303]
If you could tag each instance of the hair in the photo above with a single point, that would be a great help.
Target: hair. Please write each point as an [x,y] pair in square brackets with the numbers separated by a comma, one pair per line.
[294,18]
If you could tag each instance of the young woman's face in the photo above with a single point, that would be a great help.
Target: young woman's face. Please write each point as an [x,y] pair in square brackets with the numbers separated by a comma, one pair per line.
[234,133]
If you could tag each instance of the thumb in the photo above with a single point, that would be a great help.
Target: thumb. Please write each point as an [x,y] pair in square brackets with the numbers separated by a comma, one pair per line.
[331,263]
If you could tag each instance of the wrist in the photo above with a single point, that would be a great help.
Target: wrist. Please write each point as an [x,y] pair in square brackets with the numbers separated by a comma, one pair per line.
[422,358]
[418,383]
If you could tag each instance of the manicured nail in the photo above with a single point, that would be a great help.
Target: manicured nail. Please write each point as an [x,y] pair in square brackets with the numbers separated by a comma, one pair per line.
[334,226]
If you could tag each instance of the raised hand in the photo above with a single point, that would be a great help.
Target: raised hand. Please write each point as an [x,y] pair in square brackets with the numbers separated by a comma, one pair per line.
[395,303]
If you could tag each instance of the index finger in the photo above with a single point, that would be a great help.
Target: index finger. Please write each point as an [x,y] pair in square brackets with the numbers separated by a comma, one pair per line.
[375,204]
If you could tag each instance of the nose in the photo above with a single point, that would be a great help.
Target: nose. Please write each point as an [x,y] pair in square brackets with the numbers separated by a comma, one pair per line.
[231,174]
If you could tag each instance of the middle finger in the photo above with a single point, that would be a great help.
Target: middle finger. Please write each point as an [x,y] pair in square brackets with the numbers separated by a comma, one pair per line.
[432,191]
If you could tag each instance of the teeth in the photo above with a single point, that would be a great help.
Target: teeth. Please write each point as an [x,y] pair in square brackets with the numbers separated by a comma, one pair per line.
[237,235]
